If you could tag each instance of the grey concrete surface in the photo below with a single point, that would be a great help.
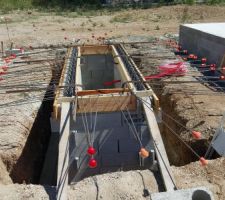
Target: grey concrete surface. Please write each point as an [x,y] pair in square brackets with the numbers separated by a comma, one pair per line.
[205,40]
[117,148]
[200,193]
[95,70]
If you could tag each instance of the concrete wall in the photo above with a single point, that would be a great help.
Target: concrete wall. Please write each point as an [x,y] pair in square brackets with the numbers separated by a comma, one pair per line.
[203,43]
[117,148]
[95,70]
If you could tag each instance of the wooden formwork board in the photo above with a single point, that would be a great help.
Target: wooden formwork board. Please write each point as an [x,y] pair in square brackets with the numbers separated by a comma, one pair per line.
[93,50]
[102,104]
[102,91]
[121,68]
[56,105]
[106,103]
[155,98]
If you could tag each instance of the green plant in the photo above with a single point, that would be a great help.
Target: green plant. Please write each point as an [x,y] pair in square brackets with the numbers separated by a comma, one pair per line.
[15,4]
[157,28]
[215,1]
[190,2]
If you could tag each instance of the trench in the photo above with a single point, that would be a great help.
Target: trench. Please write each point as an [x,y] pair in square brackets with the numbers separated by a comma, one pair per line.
[28,167]
[178,153]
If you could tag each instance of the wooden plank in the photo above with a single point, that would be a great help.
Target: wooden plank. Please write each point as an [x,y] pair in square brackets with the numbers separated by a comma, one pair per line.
[56,105]
[63,156]
[121,68]
[155,98]
[93,50]
[106,103]
[78,78]
[102,91]
[161,155]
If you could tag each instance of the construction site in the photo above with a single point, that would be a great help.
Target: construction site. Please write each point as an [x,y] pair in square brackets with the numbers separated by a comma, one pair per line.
[126,105]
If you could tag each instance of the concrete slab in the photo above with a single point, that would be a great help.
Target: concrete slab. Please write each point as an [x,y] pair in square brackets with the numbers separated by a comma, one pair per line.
[200,193]
[205,40]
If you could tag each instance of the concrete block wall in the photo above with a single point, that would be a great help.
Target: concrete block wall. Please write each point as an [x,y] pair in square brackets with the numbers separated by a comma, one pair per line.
[117,148]
[95,70]
[205,40]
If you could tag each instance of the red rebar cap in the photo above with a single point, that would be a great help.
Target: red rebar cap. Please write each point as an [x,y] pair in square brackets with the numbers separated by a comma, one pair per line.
[204,60]
[91,150]
[196,135]
[191,56]
[92,163]
[179,47]
[213,68]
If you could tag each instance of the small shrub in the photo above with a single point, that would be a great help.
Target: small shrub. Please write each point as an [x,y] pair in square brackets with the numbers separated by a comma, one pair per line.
[157,28]
[94,24]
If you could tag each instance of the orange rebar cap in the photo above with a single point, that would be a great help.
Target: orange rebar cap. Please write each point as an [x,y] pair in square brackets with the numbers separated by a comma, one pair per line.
[196,135]
[143,153]
[203,161]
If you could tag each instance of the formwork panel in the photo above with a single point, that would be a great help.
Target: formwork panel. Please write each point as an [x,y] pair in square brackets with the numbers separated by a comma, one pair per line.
[106,104]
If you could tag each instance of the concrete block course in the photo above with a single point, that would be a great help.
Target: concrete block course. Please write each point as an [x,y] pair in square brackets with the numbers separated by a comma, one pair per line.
[205,40]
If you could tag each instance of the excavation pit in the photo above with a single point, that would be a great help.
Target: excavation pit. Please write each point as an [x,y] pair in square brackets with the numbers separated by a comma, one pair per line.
[116,145]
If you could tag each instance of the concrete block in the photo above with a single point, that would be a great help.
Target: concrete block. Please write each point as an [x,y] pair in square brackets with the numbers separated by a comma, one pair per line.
[119,159]
[109,146]
[104,170]
[128,146]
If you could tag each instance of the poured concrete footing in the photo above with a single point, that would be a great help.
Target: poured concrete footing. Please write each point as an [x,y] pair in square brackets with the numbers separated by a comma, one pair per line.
[205,40]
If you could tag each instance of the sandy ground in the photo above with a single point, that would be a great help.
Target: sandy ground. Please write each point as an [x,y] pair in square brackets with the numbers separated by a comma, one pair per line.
[211,176]
[48,28]
[37,29]
[107,186]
